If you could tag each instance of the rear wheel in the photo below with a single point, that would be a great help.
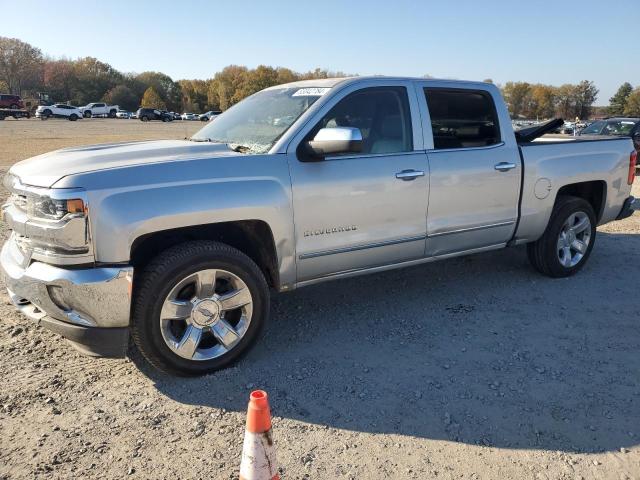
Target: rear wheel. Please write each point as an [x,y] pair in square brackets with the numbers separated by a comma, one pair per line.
[46,114]
[198,307]
[165,119]
[112,113]
[567,242]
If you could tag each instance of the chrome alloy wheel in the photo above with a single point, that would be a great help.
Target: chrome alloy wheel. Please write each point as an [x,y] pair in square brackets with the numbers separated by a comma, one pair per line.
[574,238]
[206,314]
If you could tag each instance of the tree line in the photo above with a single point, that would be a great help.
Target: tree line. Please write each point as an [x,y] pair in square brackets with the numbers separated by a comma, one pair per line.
[25,69]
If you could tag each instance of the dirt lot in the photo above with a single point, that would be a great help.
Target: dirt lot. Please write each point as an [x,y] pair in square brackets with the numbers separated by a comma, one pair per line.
[472,368]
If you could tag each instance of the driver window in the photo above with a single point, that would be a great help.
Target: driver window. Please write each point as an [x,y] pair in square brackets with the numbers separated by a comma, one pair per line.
[381,113]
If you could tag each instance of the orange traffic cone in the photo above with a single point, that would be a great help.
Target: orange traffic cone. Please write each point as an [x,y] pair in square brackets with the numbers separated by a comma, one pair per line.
[258,451]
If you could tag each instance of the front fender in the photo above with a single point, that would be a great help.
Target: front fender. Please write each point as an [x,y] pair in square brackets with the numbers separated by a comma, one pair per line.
[144,204]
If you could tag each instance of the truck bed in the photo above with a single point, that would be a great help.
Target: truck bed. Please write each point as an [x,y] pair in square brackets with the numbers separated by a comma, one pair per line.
[549,165]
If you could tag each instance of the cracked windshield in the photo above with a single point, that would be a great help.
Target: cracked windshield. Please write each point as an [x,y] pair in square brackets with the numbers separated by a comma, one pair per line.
[255,124]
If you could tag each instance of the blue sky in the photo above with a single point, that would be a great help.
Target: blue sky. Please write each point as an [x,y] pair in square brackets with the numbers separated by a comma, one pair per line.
[536,41]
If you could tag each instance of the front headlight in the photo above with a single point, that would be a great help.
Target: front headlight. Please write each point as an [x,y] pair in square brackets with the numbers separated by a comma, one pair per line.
[39,206]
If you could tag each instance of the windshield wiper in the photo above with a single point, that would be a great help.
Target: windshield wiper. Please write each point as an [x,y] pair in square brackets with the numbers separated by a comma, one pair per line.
[192,139]
[240,148]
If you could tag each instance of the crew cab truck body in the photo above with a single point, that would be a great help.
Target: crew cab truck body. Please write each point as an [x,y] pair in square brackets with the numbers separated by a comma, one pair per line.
[99,110]
[178,242]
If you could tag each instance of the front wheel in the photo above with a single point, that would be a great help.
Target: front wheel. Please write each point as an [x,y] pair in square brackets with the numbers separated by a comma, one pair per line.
[144,118]
[73,117]
[87,114]
[198,307]
[567,242]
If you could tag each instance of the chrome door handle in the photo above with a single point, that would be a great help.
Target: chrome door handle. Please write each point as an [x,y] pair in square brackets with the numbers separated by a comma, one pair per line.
[407,175]
[504,166]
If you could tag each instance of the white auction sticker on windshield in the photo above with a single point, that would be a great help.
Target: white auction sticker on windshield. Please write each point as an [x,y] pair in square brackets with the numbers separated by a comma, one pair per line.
[311,92]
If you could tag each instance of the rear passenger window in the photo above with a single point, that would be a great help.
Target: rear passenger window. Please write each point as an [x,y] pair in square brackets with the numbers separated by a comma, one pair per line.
[462,118]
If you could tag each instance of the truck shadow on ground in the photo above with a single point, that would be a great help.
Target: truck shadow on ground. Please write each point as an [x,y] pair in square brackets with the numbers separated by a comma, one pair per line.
[480,350]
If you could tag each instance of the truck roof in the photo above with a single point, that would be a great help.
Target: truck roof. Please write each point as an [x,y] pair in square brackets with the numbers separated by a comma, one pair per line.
[332,82]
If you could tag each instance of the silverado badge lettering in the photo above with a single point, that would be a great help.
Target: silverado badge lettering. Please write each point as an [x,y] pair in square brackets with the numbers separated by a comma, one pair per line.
[324,231]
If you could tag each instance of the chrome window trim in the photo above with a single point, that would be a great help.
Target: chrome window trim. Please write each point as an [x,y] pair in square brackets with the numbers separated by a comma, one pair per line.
[466,149]
[471,229]
[372,155]
[356,248]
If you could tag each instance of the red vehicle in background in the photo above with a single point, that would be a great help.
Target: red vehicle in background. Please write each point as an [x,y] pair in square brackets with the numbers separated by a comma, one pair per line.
[13,102]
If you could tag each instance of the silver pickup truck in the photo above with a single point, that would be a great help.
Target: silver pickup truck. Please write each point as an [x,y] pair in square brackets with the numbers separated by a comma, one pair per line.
[177,243]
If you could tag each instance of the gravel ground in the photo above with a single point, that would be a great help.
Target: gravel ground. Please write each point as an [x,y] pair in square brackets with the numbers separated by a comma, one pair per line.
[471,368]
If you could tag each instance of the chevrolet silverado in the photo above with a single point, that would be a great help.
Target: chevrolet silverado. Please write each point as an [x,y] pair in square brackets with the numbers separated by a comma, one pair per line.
[176,244]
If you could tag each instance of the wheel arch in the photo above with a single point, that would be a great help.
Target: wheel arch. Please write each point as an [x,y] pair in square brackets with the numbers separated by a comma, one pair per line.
[594,192]
[252,237]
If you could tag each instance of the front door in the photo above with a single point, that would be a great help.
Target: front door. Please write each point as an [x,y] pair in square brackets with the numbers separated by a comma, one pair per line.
[362,210]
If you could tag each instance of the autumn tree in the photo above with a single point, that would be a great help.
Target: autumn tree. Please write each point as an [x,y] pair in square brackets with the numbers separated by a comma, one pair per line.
[618,102]
[632,106]
[226,83]
[517,95]
[151,99]
[122,96]
[94,79]
[194,96]
[168,90]
[585,94]
[60,79]
[543,99]
[20,65]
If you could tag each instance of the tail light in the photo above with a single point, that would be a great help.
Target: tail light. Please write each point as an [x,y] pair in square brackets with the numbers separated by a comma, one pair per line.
[633,158]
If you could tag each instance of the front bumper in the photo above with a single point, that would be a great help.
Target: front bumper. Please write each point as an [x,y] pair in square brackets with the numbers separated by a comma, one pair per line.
[88,306]
[628,207]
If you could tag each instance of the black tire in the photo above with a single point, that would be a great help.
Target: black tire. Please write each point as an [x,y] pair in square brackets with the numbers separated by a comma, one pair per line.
[144,118]
[543,253]
[158,278]
[112,113]
[87,114]
[14,107]
[166,119]
[73,117]
[46,114]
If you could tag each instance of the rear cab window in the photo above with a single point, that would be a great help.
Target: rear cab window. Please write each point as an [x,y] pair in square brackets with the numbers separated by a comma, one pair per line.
[462,118]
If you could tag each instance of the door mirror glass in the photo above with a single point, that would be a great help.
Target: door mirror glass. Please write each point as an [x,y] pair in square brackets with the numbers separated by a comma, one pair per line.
[335,141]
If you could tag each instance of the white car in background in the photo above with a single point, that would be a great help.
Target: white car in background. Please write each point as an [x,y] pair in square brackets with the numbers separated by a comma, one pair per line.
[210,115]
[189,116]
[58,110]
[123,114]
[99,110]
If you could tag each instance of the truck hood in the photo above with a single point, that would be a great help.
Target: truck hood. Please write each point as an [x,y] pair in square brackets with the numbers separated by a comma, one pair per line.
[47,169]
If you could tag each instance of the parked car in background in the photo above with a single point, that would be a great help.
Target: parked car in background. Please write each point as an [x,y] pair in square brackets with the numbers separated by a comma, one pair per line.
[189,116]
[99,110]
[616,127]
[147,114]
[210,115]
[568,128]
[13,102]
[123,114]
[58,110]
[133,115]
[188,237]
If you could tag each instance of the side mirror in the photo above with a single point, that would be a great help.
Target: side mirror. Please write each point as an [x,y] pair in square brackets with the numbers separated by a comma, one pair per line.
[333,141]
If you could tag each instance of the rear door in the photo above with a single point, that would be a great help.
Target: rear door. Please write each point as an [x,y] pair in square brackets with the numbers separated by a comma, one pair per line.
[475,168]
[364,210]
